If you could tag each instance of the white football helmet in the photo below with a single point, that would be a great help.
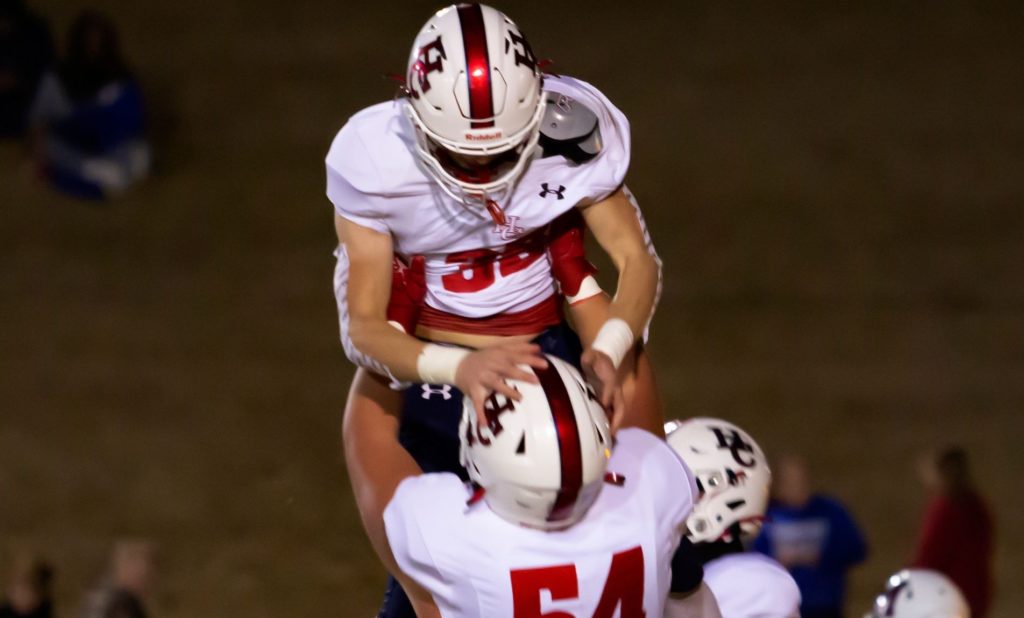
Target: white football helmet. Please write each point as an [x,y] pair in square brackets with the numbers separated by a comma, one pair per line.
[540,461]
[475,101]
[920,593]
[732,476]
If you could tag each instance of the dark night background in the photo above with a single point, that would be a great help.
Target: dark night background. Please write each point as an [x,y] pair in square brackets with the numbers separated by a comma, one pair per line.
[837,191]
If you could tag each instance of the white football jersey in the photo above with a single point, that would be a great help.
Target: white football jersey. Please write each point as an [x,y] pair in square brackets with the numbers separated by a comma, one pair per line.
[474,268]
[615,562]
[752,585]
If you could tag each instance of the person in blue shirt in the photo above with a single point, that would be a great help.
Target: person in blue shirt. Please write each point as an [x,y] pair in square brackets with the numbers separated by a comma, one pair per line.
[87,118]
[813,536]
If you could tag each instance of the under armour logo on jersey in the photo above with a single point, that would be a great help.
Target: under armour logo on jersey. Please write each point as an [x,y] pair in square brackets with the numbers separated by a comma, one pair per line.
[733,440]
[445,391]
[510,229]
[546,191]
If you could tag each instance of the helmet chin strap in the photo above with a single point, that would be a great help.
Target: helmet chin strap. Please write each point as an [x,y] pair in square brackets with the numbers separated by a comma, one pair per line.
[496,212]
[478,494]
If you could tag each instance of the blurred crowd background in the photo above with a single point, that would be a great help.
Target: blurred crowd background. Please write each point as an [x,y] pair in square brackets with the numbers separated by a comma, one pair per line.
[837,193]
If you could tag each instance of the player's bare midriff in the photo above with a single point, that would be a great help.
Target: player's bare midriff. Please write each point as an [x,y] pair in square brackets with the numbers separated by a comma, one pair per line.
[471,340]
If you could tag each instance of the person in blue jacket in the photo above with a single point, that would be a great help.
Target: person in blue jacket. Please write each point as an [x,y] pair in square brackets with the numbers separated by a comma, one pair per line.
[813,536]
[87,118]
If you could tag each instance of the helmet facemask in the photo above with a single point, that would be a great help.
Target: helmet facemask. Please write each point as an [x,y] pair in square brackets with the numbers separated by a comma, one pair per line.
[445,161]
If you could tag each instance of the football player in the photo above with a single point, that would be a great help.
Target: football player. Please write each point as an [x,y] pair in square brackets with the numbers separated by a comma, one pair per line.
[920,593]
[404,308]
[478,171]
[468,169]
[557,521]
[733,482]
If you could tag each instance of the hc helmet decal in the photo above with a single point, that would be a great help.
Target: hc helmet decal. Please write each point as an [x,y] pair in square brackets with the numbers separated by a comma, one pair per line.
[493,409]
[426,63]
[521,50]
[734,442]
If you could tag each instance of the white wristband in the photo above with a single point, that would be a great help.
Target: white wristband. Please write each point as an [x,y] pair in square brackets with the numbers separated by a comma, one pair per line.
[437,364]
[397,325]
[614,339]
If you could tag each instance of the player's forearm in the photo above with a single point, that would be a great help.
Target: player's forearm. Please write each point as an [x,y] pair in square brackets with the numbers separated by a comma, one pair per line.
[376,345]
[637,290]
[618,227]
[384,349]
[631,309]
[588,316]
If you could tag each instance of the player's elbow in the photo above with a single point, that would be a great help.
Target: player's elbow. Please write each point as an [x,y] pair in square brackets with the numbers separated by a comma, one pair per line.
[642,265]
[357,336]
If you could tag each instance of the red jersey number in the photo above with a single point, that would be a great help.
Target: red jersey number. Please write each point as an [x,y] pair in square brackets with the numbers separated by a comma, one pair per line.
[476,271]
[477,268]
[624,588]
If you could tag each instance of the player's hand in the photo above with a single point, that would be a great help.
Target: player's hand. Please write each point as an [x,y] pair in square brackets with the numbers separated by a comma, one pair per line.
[485,371]
[601,374]
[408,289]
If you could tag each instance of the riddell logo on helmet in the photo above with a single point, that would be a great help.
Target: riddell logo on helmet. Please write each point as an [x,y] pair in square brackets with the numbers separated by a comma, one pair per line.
[482,137]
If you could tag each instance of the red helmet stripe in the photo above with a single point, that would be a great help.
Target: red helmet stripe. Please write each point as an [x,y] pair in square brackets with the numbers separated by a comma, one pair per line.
[569,450]
[478,65]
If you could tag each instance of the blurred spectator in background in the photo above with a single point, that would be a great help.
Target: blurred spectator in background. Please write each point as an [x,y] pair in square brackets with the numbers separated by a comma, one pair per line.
[956,536]
[30,591]
[87,117]
[26,51]
[124,590]
[813,536]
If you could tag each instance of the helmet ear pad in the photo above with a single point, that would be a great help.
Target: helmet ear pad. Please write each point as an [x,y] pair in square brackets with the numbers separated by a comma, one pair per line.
[731,475]
[474,89]
[541,461]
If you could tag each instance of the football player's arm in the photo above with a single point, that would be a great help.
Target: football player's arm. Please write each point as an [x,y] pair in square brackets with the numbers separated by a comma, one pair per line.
[374,343]
[641,404]
[377,463]
[616,227]
[372,339]
[589,309]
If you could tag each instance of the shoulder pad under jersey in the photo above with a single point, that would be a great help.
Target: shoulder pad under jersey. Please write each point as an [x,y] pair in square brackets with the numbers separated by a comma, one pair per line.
[569,129]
